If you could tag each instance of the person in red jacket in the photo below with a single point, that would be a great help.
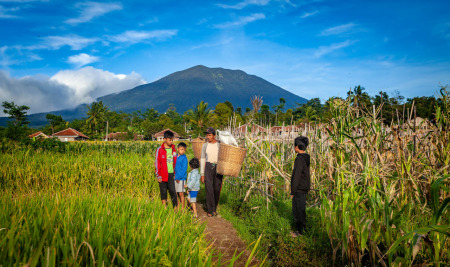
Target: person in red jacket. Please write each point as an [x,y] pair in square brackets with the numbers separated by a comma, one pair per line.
[166,158]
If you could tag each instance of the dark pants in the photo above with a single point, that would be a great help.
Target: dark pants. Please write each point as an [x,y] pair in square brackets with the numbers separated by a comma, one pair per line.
[169,185]
[213,186]
[299,211]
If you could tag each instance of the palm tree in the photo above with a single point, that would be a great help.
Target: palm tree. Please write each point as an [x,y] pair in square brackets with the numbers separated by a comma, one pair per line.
[310,114]
[200,116]
[96,115]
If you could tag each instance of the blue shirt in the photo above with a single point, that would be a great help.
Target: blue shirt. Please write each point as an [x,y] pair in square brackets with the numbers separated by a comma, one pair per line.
[193,182]
[181,168]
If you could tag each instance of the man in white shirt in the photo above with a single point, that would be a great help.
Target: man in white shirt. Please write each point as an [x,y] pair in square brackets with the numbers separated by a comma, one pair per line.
[212,180]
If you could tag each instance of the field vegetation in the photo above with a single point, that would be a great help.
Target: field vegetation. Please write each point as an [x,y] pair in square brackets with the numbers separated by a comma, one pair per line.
[91,203]
[381,192]
[380,187]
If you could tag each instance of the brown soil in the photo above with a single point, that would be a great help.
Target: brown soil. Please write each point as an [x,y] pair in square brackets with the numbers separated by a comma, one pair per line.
[225,239]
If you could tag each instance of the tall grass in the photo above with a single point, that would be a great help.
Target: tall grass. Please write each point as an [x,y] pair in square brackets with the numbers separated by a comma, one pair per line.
[92,203]
[97,229]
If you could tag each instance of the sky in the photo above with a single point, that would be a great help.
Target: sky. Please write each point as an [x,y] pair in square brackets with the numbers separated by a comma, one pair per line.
[59,54]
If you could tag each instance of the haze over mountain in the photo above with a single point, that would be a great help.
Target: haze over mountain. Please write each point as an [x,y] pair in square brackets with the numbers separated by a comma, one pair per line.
[185,89]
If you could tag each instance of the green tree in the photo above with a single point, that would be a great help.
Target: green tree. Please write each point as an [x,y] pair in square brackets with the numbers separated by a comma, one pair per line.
[359,98]
[265,114]
[96,115]
[151,115]
[17,113]
[55,121]
[199,117]
[173,115]
[310,114]
[223,114]
[77,124]
[165,121]
[425,105]
[279,110]
[17,129]
[239,111]
[288,117]
[228,103]
[150,128]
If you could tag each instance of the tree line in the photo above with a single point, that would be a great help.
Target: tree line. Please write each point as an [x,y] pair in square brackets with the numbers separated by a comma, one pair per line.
[100,119]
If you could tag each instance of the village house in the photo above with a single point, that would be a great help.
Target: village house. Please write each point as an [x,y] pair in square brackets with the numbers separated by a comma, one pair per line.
[160,135]
[121,136]
[38,135]
[289,132]
[70,135]
[242,130]
[255,128]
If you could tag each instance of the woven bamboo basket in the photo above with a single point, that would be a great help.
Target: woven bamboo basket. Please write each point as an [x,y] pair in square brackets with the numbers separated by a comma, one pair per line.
[230,160]
[197,145]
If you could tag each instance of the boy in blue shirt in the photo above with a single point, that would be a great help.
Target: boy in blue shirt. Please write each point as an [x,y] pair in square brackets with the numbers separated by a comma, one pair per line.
[181,172]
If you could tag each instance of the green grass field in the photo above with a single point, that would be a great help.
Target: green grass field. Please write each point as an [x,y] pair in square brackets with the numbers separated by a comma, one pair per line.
[91,204]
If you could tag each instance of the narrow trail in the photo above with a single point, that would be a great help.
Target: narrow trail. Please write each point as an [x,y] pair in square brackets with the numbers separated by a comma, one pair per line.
[225,238]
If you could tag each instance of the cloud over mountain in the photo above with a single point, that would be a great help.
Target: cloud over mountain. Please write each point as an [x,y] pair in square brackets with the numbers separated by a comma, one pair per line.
[65,89]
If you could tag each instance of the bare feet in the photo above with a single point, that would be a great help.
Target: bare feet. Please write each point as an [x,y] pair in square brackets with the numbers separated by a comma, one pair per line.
[295,234]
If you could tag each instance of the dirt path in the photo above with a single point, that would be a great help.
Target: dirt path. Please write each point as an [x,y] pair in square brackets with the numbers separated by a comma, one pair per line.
[225,238]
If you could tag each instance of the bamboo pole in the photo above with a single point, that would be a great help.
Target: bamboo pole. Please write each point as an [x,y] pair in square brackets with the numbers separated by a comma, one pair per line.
[268,160]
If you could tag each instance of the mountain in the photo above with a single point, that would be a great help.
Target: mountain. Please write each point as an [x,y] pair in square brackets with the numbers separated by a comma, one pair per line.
[185,89]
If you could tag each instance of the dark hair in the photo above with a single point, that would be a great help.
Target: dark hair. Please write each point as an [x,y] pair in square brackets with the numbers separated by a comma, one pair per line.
[194,163]
[182,144]
[168,134]
[301,142]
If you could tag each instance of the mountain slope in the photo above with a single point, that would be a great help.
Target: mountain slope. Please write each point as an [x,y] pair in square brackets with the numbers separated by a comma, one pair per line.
[185,89]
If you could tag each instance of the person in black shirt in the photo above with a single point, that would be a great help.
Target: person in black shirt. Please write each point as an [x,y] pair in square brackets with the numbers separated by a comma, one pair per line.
[300,184]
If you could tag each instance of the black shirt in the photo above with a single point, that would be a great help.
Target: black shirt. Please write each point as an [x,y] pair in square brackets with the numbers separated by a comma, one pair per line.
[301,179]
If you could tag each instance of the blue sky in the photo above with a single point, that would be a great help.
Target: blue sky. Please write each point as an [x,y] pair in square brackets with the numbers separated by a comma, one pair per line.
[57,54]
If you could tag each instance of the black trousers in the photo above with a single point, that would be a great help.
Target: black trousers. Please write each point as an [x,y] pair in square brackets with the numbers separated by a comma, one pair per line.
[213,186]
[169,185]
[299,211]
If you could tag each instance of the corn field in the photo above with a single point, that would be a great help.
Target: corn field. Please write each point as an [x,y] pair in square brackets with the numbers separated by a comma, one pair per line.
[382,191]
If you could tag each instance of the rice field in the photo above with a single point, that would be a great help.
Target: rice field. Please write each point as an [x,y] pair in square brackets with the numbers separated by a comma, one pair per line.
[91,204]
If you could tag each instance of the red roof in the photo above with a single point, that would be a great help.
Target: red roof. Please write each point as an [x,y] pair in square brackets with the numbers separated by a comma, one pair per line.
[162,133]
[123,135]
[116,135]
[69,132]
[37,134]
[293,128]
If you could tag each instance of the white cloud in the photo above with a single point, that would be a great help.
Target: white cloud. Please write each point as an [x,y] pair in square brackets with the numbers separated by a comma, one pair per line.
[89,83]
[12,55]
[241,21]
[5,13]
[74,41]
[139,36]
[323,50]
[309,14]
[245,3]
[82,59]
[66,89]
[344,28]
[90,10]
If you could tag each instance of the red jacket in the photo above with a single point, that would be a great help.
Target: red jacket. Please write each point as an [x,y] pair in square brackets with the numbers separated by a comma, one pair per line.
[161,162]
